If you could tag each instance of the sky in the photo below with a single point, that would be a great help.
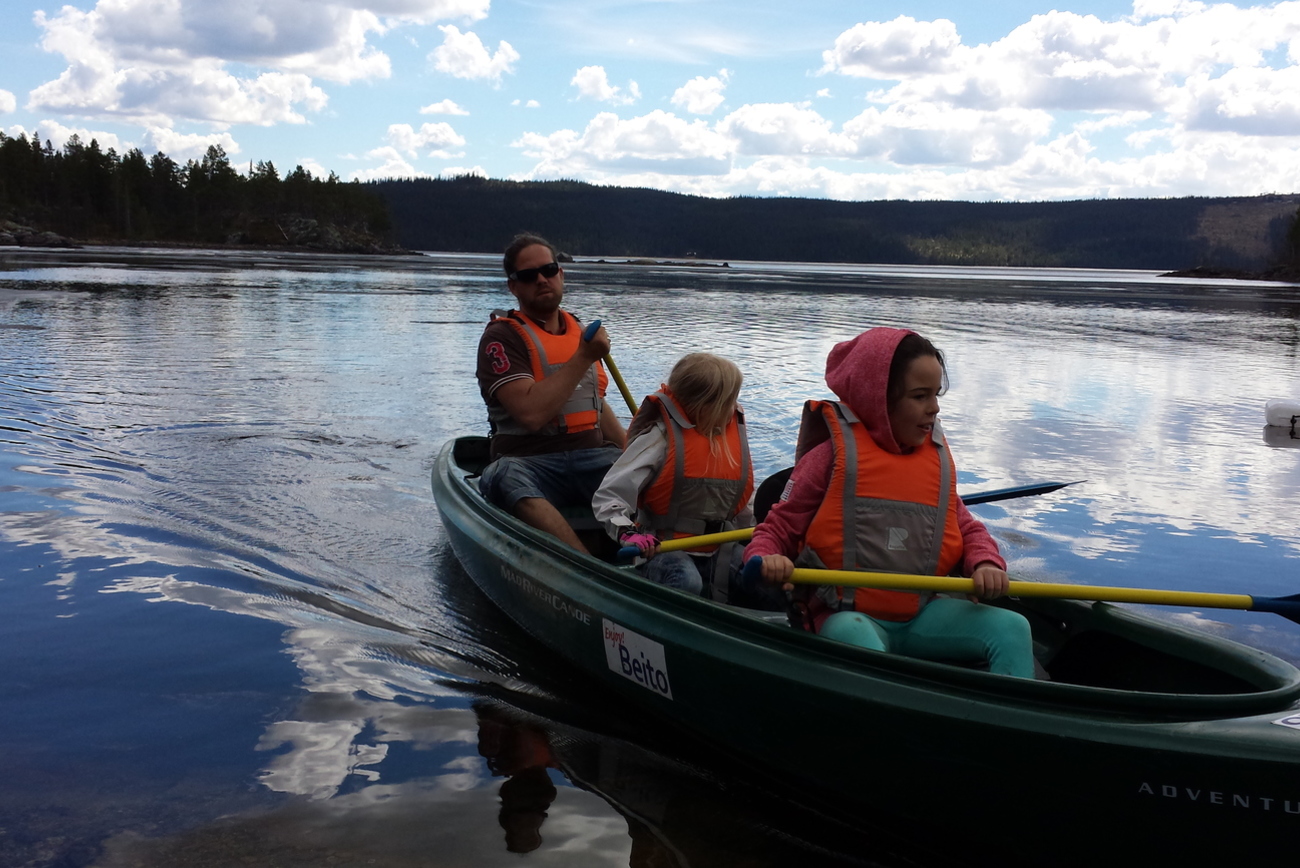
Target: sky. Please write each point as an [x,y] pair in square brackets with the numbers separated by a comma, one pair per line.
[1014,101]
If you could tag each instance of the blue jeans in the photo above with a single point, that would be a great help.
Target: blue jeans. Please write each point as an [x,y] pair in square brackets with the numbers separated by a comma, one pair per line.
[563,478]
[691,574]
[677,570]
[945,629]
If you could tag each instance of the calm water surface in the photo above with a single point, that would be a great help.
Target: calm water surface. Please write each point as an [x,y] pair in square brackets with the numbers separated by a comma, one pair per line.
[233,633]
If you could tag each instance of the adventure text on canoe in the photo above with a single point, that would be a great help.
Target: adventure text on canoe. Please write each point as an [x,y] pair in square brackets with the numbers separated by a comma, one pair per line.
[1221,798]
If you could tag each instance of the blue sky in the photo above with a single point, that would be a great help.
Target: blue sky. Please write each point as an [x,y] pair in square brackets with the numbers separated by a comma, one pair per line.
[1017,101]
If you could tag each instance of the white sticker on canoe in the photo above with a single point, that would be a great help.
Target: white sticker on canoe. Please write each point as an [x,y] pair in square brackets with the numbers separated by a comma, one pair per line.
[636,658]
[1293,721]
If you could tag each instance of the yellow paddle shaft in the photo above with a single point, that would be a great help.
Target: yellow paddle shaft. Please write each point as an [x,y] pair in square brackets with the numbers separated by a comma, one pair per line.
[708,539]
[898,581]
[622,386]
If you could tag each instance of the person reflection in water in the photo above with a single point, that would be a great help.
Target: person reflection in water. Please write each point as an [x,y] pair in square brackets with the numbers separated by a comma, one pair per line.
[522,754]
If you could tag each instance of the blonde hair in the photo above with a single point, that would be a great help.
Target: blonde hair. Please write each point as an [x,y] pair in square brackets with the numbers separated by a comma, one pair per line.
[707,387]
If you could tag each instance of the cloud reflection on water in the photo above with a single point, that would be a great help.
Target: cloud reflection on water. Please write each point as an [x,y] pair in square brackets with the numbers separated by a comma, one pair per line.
[257,442]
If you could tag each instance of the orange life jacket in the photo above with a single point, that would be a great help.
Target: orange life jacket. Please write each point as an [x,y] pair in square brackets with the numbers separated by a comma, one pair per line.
[882,512]
[697,490]
[548,353]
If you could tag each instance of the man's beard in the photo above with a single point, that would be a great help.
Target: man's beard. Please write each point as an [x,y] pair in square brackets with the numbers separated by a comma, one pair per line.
[547,304]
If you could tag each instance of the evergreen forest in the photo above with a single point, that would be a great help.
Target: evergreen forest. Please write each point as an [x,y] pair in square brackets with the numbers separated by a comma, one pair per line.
[86,193]
[472,213]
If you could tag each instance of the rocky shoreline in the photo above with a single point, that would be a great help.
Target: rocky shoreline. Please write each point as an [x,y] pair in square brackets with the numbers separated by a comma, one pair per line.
[302,235]
[17,235]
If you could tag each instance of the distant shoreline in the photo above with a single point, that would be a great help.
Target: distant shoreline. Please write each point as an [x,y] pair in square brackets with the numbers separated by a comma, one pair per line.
[1278,273]
[18,236]
[643,260]
[236,255]
[207,256]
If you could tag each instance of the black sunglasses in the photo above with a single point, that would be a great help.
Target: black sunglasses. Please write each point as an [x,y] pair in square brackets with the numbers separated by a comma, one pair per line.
[529,275]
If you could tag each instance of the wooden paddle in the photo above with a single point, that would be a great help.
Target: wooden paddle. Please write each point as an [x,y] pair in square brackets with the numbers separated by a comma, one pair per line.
[1287,607]
[744,533]
[588,334]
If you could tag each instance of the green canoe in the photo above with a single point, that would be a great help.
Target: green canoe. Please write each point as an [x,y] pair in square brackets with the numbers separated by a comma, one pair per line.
[1147,732]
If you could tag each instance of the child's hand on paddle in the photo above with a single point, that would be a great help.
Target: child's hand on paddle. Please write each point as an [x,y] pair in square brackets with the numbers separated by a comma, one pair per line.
[990,580]
[777,568]
[646,544]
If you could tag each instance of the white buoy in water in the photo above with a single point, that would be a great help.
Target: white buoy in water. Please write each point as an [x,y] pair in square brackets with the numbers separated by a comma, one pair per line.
[1282,413]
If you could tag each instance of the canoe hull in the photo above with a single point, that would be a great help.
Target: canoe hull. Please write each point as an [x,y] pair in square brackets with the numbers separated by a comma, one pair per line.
[866,732]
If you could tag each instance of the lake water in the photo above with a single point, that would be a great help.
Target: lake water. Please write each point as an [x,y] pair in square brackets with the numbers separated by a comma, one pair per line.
[233,632]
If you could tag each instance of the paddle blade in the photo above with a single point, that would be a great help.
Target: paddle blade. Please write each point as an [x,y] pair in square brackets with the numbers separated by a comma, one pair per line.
[1287,607]
[590,331]
[1017,491]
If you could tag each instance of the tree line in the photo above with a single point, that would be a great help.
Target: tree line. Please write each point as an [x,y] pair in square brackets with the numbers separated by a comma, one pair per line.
[86,192]
[472,213]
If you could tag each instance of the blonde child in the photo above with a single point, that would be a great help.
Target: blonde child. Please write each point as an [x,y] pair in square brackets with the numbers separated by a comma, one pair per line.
[686,471]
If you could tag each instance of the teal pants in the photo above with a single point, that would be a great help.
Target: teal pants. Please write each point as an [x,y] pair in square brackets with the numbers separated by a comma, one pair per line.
[946,629]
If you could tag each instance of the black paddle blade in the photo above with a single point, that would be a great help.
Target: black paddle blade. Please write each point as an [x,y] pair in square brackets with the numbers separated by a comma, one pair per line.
[1017,491]
[771,489]
[1287,607]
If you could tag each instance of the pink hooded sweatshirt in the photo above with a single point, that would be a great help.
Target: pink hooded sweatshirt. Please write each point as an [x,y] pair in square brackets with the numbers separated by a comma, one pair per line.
[858,373]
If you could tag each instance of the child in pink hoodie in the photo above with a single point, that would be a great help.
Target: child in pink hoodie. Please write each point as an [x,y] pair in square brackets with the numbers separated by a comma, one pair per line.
[875,488]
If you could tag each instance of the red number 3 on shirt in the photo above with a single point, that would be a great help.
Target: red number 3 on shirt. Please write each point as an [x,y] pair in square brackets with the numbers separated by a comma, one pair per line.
[497,353]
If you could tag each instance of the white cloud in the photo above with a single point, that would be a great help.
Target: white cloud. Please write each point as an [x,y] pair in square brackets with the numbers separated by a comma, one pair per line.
[1066,61]
[100,83]
[532,103]
[459,171]
[155,60]
[7,102]
[57,135]
[782,128]
[185,146]
[325,38]
[202,93]
[892,49]
[1256,102]
[1110,121]
[658,142]
[314,167]
[593,83]
[438,137]
[1201,77]
[1178,99]
[393,166]
[445,107]
[700,95]
[463,55]
[938,135]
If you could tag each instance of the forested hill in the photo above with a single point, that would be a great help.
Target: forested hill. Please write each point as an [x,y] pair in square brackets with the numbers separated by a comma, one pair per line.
[477,214]
[90,194]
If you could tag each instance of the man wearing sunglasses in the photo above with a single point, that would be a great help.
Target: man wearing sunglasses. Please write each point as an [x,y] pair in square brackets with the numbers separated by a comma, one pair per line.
[553,434]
